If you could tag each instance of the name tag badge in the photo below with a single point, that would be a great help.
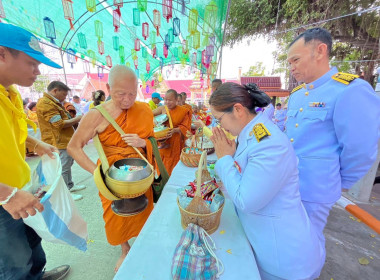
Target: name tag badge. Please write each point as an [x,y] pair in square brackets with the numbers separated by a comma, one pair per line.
[317,104]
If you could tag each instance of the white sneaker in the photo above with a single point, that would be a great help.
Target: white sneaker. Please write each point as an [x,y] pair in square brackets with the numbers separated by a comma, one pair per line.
[77,188]
[76,196]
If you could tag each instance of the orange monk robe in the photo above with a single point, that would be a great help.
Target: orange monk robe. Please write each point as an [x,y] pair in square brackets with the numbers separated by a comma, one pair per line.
[121,229]
[181,118]
[188,106]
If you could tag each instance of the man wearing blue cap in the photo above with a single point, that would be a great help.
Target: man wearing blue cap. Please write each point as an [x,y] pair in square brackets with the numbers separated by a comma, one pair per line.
[336,143]
[155,101]
[21,254]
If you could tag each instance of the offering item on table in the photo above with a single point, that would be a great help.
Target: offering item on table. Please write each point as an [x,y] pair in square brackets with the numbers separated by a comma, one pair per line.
[124,171]
[162,125]
[208,133]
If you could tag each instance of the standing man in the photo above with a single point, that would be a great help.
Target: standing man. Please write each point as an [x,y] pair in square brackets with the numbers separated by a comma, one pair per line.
[56,127]
[136,119]
[184,104]
[77,104]
[21,253]
[156,99]
[215,84]
[181,118]
[336,144]
[279,116]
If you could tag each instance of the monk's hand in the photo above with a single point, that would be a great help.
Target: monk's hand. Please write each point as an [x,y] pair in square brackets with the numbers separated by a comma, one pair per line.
[42,148]
[223,146]
[22,205]
[134,140]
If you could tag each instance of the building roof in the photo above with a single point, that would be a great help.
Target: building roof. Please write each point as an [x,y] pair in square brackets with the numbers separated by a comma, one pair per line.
[270,85]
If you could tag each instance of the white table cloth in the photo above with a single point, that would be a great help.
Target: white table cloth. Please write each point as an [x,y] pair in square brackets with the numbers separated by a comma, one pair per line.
[151,254]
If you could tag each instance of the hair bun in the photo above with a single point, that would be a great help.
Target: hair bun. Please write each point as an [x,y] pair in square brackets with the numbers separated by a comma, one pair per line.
[261,99]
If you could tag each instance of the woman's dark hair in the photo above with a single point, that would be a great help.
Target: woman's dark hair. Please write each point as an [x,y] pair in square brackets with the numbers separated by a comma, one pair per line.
[228,94]
[32,105]
[97,96]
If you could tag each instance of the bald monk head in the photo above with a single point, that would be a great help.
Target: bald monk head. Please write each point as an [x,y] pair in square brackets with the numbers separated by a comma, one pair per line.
[122,86]
[171,98]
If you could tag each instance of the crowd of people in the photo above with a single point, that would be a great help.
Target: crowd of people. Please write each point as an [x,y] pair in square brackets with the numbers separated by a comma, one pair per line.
[284,171]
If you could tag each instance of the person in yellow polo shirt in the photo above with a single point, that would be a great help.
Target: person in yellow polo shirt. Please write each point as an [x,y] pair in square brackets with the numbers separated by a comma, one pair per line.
[21,254]
[155,101]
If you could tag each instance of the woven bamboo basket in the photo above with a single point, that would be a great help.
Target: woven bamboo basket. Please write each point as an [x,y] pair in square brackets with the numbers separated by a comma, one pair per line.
[162,135]
[190,159]
[209,222]
[205,175]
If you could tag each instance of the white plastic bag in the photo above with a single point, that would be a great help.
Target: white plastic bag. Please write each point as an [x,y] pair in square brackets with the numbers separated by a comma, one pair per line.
[60,222]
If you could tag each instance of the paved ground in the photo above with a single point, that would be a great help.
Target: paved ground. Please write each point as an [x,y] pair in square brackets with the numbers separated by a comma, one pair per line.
[347,240]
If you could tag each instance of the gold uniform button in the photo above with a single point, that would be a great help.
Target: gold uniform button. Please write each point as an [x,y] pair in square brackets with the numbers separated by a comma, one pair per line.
[291,139]
[301,109]
[296,124]
[307,93]
[311,87]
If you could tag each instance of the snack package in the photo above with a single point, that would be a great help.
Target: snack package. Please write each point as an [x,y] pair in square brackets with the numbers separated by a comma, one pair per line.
[216,203]
[183,199]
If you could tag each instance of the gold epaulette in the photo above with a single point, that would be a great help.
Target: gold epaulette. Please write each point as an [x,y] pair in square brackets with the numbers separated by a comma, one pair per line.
[260,131]
[344,78]
[298,88]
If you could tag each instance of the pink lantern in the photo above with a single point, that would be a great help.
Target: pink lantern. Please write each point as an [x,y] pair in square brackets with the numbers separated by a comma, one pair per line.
[165,51]
[157,21]
[154,52]
[109,61]
[152,83]
[136,62]
[100,47]
[116,19]
[167,9]
[68,12]
[184,46]
[145,30]
[147,67]
[137,44]
[86,67]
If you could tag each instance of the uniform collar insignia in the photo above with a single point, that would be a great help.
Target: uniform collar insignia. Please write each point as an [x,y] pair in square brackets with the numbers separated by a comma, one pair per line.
[298,88]
[344,78]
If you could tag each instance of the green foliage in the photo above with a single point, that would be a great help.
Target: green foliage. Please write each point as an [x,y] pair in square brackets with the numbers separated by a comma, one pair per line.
[257,70]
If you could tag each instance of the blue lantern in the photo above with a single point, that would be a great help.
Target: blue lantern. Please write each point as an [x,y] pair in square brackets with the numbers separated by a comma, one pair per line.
[100,72]
[176,26]
[49,29]
[71,57]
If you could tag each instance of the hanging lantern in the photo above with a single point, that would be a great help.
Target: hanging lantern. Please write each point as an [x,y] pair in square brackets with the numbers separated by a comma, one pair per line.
[210,50]
[189,40]
[121,52]
[86,67]
[157,21]
[136,16]
[212,40]
[196,39]
[136,62]
[175,52]
[91,5]
[115,42]
[152,38]
[82,40]
[100,47]
[193,21]
[154,52]
[199,57]
[183,7]
[167,40]
[145,30]
[160,77]
[71,57]
[205,41]
[133,53]
[147,88]
[152,83]
[165,50]
[116,19]
[144,52]
[176,26]
[147,67]
[49,29]
[118,3]
[109,61]
[128,64]
[68,12]
[98,29]
[2,12]
[100,72]
[210,18]
[161,64]
[91,54]
[137,44]
[194,59]
[142,5]
[179,53]
[184,46]
[171,35]
[167,9]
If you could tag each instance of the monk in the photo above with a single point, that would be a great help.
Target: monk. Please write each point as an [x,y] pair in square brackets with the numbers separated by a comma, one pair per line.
[181,118]
[184,104]
[122,87]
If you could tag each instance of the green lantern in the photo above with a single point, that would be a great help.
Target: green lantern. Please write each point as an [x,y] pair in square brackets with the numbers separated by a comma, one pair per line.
[205,41]
[175,52]
[136,16]
[196,39]
[189,40]
[171,35]
[98,29]
[82,40]
[142,5]
[121,52]
[144,52]
[210,18]
[91,5]
[152,38]
[193,21]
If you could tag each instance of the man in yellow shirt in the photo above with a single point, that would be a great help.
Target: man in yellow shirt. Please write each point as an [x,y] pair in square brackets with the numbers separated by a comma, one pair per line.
[21,254]
[156,98]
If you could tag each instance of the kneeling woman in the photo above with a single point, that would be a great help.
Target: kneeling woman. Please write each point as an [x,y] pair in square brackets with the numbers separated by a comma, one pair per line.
[260,173]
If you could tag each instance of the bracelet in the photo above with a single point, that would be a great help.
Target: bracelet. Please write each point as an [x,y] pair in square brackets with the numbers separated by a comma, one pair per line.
[13,193]
[35,146]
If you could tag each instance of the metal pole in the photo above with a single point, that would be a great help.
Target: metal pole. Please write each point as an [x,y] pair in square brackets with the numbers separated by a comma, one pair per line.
[63,66]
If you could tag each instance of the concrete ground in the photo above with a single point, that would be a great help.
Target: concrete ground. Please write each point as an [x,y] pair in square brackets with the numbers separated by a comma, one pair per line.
[347,241]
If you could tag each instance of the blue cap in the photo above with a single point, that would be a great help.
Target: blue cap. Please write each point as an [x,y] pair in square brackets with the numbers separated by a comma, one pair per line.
[17,38]
[157,95]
